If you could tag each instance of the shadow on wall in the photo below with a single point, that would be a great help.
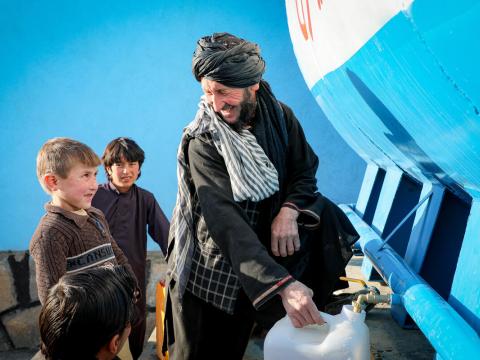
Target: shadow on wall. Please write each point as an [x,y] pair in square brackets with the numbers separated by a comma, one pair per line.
[402,140]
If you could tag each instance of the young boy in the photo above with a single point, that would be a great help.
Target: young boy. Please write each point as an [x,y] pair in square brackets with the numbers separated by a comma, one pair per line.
[88,315]
[130,210]
[72,236]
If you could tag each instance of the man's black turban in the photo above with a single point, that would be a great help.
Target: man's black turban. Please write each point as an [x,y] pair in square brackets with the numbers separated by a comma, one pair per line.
[231,61]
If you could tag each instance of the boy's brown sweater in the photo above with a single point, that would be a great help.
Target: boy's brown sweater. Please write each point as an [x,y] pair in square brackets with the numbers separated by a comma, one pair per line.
[65,242]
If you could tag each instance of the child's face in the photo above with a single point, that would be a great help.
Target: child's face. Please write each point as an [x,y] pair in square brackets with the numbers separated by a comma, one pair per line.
[77,190]
[124,174]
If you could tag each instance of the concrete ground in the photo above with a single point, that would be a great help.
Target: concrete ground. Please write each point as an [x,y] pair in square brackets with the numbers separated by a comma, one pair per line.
[388,340]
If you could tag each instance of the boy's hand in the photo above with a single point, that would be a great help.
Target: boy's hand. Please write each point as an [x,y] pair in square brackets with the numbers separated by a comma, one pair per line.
[162,278]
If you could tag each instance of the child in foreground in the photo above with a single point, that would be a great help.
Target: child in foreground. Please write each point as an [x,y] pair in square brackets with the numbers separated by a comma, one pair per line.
[88,315]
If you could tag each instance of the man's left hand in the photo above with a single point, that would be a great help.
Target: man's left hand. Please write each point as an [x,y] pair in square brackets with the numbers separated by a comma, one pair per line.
[285,240]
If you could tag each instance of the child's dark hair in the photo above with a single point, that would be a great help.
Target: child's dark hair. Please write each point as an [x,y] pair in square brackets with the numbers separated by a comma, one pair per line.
[122,148]
[93,306]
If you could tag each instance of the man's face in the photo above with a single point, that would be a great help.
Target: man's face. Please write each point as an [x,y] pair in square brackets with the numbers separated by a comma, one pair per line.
[236,106]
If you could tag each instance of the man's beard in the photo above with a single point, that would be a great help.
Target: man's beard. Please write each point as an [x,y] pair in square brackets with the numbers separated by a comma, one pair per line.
[247,112]
[245,118]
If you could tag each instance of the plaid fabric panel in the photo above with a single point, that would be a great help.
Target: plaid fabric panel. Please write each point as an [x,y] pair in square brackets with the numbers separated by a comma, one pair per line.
[212,278]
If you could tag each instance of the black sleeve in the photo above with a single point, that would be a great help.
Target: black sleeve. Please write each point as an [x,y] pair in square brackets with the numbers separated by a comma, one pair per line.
[302,164]
[260,276]
[158,224]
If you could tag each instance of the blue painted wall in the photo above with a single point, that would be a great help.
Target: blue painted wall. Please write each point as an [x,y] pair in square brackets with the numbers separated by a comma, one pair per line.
[95,70]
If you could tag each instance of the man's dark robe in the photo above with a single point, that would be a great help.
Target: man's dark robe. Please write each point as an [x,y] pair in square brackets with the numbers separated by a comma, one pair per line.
[243,239]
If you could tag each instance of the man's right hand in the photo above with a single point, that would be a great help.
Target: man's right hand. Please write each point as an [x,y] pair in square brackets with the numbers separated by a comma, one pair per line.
[298,303]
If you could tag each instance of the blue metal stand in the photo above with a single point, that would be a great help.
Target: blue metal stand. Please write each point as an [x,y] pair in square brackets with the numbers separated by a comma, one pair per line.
[465,292]
[451,336]
[399,194]
[423,226]
[369,192]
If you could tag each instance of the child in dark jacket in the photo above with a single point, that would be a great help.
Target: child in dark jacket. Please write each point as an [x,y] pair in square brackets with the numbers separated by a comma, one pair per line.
[130,211]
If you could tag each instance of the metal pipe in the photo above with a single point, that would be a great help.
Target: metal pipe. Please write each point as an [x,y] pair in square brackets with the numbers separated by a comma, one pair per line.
[450,335]
[364,299]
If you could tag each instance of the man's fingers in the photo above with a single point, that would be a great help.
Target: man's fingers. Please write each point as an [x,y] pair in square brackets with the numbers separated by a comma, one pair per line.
[309,319]
[274,245]
[284,233]
[305,312]
[293,244]
[298,303]
[318,318]
[296,242]
[282,246]
[300,317]
[290,246]
[279,246]
[295,322]
[313,315]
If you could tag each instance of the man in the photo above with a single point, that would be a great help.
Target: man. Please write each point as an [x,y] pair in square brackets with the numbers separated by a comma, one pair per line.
[246,186]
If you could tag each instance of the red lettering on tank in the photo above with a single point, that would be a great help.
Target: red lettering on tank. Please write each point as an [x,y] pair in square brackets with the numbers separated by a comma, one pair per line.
[304,19]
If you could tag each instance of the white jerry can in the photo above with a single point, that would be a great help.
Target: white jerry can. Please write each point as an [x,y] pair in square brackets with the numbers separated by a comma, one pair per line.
[344,337]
